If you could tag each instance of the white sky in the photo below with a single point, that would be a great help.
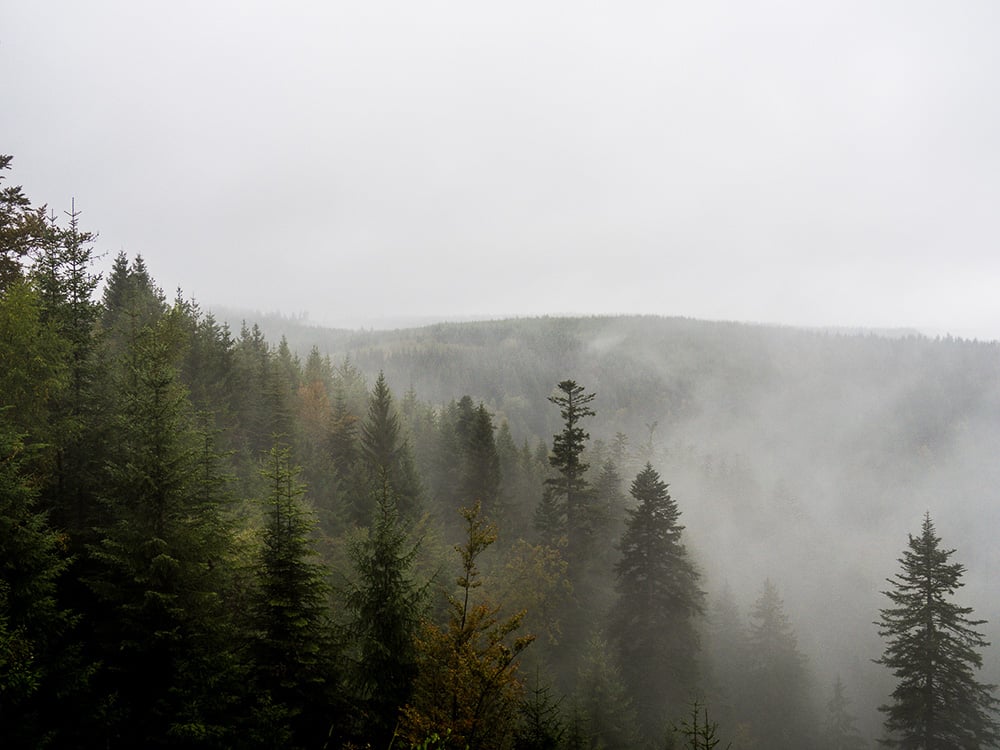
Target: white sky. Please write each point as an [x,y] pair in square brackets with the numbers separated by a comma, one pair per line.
[828,163]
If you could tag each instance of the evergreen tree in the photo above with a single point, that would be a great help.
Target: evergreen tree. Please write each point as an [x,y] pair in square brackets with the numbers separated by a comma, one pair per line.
[933,649]
[567,496]
[384,607]
[540,725]
[654,623]
[294,654]
[779,698]
[39,663]
[605,716]
[841,731]
[158,571]
[386,452]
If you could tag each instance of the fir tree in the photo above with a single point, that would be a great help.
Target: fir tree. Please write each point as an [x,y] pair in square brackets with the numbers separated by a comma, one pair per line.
[294,653]
[933,649]
[841,731]
[384,608]
[654,622]
[779,691]
[566,502]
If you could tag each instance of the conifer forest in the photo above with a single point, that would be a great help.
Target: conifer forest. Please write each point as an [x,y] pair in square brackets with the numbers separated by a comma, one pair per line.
[234,530]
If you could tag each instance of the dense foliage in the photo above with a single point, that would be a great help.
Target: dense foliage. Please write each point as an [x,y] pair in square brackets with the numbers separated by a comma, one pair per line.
[207,540]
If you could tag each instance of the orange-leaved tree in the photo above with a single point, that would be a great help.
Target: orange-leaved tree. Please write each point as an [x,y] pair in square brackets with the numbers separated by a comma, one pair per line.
[467,689]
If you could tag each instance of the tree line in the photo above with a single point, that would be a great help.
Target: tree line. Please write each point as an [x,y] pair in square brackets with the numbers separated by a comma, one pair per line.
[206,541]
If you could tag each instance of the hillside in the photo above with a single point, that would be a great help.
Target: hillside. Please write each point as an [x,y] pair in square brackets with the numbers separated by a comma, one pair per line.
[802,456]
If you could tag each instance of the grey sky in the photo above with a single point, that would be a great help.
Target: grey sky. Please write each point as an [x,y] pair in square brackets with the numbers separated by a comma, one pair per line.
[800,163]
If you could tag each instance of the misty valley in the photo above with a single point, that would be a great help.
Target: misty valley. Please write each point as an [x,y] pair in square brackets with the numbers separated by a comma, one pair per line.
[236,530]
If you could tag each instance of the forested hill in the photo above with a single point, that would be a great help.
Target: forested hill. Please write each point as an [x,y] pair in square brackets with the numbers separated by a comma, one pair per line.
[540,533]
[796,454]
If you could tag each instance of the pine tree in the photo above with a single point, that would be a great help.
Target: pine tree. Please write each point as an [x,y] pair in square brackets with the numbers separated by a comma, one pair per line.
[386,453]
[158,570]
[933,649]
[567,496]
[294,653]
[779,691]
[605,716]
[841,730]
[384,608]
[654,623]
[39,664]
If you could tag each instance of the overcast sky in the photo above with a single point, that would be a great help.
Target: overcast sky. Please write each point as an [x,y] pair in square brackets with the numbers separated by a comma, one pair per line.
[801,163]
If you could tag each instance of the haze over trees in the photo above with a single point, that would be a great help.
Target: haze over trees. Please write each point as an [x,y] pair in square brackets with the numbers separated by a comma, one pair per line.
[211,539]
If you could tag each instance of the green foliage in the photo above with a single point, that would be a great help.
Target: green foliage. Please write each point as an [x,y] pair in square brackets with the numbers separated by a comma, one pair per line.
[386,454]
[468,679]
[604,715]
[293,643]
[654,623]
[932,648]
[24,230]
[567,495]
[384,607]
[39,662]
[540,725]
[158,568]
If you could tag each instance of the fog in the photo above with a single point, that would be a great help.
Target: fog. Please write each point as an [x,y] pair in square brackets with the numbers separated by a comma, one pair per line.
[381,162]
[803,457]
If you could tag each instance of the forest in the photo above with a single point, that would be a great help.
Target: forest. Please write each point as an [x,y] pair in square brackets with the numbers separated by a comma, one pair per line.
[235,530]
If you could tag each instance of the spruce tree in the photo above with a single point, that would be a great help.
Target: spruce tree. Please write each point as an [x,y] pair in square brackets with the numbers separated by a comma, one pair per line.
[384,607]
[39,663]
[293,644]
[386,453]
[654,625]
[933,649]
[779,690]
[841,730]
[566,501]
[158,569]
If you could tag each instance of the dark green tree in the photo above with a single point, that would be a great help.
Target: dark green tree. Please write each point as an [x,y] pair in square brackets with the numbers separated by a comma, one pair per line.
[39,662]
[540,724]
[158,571]
[654,625]
[384,607]
[386,453]
[604,715]
[933,649]
[293,646]
[567,495]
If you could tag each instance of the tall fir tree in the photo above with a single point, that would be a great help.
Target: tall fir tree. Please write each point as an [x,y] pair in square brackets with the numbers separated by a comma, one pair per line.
[384,607]
[654,625]
[158,570]
[779,699]
[566,501]
[40,664]
[933,649]
[386,453]
[294,655]
[840,730]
